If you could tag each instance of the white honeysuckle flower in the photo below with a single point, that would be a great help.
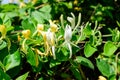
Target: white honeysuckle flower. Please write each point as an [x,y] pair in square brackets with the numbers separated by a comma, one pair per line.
[51,41]
[70,48]
[53,51]
[50,37]
[67,37]
[70,19]
[68,33]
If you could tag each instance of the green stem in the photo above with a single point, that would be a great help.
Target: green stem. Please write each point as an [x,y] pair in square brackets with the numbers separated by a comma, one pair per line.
[80,35]
[116,60]
[81,71]
[34,33]
[62,21]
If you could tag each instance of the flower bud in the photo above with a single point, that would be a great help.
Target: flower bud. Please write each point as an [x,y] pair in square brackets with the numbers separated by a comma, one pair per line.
[26,33]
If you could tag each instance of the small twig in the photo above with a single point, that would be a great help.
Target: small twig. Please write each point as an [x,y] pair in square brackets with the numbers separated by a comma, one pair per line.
[108,35]
[41,5]
[82,42]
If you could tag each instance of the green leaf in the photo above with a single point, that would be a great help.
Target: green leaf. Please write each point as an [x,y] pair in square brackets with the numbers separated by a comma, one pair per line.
[41,78]
[6,20]
[23,77]
[118,23]
[65,75]
[104,67]
[84,61]
[3,44]
[12,14]
[12,60]
[109,48]
[27,24]
[1,65]
[87,30]
[54,63]
[89,50]
[41,17]
[43,14]
[46,9]
[31,57]
[76,73]
[4,76]
[62,54]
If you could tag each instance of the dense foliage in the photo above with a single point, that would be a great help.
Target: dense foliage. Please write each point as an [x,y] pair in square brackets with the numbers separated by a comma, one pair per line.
[60,39]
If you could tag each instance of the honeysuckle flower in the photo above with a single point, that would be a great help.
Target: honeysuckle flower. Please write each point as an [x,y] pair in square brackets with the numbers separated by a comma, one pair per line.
[67,37]
[72,20]
[22,4]
[3,31]
[39,52]
[40,27]
[102,78]
[26,33]
[51,41]
[34,1]
[18,37]
[68,33]
[53,27]
[50,37]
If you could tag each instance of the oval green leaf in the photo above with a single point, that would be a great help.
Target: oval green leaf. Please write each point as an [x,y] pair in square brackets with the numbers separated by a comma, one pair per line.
[109,48]
[89,50]
[84,61]
[12,60]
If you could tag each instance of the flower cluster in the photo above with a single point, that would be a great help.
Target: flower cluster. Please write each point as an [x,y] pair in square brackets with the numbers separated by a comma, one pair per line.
[50,38]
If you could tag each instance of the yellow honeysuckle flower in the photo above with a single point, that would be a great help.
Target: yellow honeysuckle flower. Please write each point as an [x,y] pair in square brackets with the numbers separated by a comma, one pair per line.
[75,2]
[50,37]
[53,27]
[3,31]
[40,27]
[102,78]
[22,4]
[34,1]
[26,33]
[18,37]
[39,52]
[51,42]
[43,33]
